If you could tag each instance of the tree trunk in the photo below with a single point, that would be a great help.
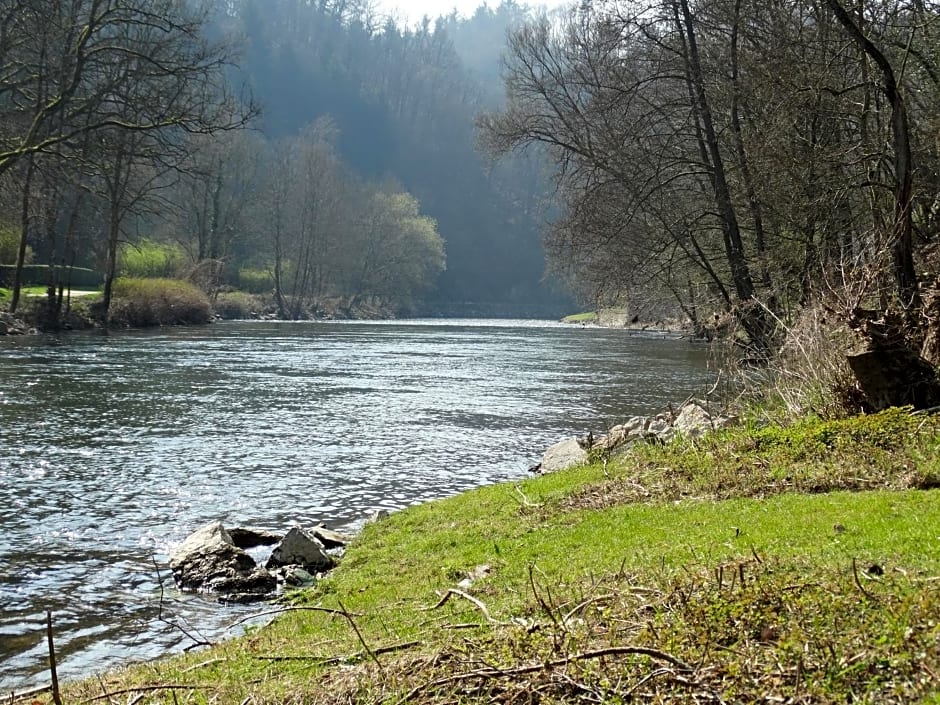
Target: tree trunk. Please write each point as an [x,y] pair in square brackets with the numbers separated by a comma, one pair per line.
[752,316]
[902,237]
[24,233]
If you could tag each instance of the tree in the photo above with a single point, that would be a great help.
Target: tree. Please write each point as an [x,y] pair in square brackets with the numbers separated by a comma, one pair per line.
[135,75]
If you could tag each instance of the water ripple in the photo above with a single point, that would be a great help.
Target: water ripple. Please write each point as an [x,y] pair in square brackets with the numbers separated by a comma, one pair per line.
[113,448]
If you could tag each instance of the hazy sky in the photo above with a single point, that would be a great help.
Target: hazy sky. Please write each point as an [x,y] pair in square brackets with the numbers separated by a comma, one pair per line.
[412,10]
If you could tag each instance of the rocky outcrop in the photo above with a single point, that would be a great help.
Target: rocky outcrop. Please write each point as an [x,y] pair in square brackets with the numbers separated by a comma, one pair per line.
[209,561]
[12,325]
[213,559]
[692,420]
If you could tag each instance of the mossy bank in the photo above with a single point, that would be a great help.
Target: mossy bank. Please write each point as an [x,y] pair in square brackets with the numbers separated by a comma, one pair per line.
[763,564]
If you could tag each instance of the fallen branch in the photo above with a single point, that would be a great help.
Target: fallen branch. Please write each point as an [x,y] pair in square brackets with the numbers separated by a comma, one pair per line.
[362,640]
[197,640]
[522,670]
[146,689]
[329,660]
[460,593]
[25,694]
[581,605]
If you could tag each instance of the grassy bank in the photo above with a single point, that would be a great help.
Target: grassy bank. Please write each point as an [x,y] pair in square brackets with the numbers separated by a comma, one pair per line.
[758,565]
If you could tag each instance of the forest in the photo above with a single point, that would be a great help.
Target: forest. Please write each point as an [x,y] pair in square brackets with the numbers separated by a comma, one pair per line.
[315,153]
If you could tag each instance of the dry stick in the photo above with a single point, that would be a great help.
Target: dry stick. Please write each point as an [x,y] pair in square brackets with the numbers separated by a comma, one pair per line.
[136,700]
[329,660]
[581,605]
[548,610]
[24,694]
[103,688]
[460,593]
[858,582]
[200,641]
[522,670]
[56,695]
[146,689]
[362,641]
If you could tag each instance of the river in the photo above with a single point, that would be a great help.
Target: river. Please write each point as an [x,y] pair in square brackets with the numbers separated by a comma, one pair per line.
[114,447]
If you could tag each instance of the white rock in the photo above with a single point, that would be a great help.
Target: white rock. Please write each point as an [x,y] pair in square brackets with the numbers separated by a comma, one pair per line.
[566,454]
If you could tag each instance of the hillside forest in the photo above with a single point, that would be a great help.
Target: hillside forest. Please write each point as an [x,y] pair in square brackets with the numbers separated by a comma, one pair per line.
[314,152]
[738,161]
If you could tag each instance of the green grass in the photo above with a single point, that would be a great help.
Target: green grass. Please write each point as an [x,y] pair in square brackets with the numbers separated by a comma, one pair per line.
[680,573]
[586,317]
[37,291]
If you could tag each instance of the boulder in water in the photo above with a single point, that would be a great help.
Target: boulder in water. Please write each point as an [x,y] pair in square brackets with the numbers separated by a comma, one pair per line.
[209,561]
[300,547]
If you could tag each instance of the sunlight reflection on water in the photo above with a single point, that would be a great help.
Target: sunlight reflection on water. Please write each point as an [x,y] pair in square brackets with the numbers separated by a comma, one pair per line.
[114,448]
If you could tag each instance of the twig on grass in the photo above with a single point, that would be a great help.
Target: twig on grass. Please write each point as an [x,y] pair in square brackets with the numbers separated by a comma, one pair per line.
[545,607]
[197,640]
[866,593]
[30,693]
[460,593]
[583,604]
[146,689]
[492,672]
[329,660]
[362,640]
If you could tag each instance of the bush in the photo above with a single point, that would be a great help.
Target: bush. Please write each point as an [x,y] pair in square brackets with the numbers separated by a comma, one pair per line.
[158,302]
[236,305]
[255,281]
[151,259]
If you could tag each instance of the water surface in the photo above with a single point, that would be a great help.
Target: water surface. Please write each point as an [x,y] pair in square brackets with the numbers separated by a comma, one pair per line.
[114,447]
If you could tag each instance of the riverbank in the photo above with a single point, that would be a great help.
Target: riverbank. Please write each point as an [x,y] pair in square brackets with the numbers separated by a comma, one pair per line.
[622,318]
[763,564]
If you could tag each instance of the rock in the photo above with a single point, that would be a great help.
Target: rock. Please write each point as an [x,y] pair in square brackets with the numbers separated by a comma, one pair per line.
[208,560]
[296,576]
[329,538]
[566,454]
[659,427]
[300,547]
[259,584]
[249,537]
[624,434]
[693,420]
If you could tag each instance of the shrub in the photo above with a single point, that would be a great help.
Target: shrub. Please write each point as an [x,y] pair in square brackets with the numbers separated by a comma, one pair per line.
[158,302]
[236,305]
[151,259]
[255,281]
